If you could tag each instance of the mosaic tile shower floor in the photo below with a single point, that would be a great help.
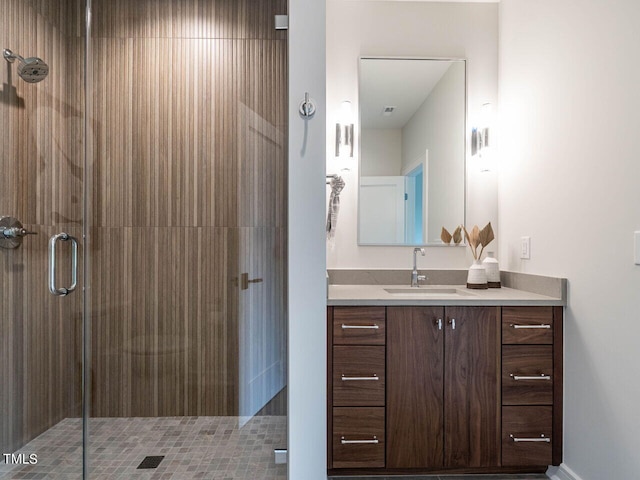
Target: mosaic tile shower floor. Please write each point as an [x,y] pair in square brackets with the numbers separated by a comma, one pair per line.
[216,448]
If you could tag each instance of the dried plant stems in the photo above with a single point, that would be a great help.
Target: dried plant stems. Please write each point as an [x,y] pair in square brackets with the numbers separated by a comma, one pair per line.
[445,236]
[457,235]
[479,238]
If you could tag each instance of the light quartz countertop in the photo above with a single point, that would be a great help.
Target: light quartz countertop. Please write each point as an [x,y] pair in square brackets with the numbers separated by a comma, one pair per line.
[362,295]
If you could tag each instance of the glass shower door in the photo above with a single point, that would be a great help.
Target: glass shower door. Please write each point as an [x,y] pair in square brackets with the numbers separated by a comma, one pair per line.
[41,197]
[177,199]
[187,239]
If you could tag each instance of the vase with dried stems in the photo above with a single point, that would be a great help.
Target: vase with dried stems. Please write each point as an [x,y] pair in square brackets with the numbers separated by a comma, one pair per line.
[478,239]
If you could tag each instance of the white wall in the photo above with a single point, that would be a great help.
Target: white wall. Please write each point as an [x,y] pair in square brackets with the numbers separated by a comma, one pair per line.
[382,28]
[383,152]
[307,393]
[569,104]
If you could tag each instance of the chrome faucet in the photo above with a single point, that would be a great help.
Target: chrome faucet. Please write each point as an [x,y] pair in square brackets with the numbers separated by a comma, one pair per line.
[415,278]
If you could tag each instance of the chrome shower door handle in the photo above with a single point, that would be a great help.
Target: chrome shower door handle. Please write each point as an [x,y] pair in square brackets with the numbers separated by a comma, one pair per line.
[62,291]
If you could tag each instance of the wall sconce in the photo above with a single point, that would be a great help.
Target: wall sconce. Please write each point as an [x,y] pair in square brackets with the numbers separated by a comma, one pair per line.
[344,131]
[479,140]
[480,135]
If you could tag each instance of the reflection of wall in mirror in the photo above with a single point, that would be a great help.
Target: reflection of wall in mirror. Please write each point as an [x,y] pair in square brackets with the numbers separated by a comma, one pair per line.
[382,149]
[438,126]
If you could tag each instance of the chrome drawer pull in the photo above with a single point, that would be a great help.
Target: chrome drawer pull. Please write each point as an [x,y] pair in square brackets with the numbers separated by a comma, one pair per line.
[541,439]
[542,376]
[365,327]
[373,377]
[543,325]
[347,442]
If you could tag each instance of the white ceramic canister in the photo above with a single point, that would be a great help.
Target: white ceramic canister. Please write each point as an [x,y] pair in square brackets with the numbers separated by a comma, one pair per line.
[492,269]
[477,277]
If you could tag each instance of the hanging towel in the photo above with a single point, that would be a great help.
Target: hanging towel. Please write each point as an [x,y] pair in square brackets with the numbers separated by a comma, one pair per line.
[337,184]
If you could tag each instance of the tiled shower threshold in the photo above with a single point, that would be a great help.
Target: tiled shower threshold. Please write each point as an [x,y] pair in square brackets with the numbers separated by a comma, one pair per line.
[218,448]
[533,476]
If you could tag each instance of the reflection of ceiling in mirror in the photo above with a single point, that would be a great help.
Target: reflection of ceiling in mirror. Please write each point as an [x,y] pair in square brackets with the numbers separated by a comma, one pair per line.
[401,83]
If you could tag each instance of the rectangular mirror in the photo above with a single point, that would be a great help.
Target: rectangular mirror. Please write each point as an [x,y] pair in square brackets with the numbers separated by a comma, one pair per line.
[412,149]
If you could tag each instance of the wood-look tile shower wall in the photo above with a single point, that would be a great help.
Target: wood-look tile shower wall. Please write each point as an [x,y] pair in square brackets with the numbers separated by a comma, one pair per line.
[41,185]
[189,191]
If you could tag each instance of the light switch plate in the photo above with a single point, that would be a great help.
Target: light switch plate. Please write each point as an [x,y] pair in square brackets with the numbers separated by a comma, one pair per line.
[525,248]
[636,247]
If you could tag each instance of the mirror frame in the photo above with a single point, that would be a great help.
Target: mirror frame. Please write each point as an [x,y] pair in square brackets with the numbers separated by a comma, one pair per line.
[466,147]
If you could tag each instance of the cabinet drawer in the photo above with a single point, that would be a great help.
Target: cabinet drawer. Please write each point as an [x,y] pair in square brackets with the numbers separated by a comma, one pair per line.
[359,325]
[527,375]
[526,436]
[358,376]
[529,325]
[358,437]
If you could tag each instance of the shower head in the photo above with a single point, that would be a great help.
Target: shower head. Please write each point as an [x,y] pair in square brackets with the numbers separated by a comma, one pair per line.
[31,70]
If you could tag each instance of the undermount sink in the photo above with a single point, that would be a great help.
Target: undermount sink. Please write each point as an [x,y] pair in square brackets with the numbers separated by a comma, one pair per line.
[428,291]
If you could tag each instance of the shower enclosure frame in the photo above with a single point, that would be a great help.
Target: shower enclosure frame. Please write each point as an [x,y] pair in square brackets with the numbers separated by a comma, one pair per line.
[76,56]
[86,206]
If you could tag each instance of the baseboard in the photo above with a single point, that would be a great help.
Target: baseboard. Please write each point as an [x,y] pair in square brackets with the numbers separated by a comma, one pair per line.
[562,473]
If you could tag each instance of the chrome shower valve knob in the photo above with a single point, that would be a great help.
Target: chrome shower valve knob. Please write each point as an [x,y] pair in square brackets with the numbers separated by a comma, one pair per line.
[15,232]
[12,232]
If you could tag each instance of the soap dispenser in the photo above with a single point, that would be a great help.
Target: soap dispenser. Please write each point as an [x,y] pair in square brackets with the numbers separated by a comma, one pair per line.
[492,268]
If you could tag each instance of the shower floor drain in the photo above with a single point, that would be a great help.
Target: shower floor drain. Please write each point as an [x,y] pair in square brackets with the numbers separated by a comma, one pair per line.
[151,462]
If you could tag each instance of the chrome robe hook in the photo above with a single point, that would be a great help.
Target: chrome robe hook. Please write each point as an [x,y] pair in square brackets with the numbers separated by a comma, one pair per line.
[307,106]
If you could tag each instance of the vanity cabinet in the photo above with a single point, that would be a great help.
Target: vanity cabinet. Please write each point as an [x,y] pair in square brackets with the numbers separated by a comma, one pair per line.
[357,387]
[455,389]
[531,386]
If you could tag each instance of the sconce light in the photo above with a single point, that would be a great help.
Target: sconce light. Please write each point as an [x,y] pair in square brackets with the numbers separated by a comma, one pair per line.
[479,140]
[344,131]
[480,135]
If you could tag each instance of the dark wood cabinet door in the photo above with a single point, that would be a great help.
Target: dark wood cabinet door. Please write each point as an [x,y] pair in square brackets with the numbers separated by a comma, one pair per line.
[471,392]
[415,368]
